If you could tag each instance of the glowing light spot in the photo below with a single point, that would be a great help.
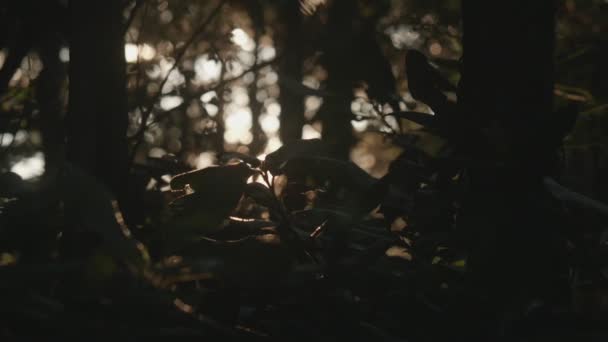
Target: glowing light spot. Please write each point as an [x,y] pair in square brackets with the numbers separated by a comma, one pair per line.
[248,78]
[234,68]
[156,152]
[64,54]
[205,159]
[242,39]
[6,139]
[270,124]
[175,79]
[246,58]
[207,70]
[154,71]
[170,102]
[208,96]
[147,52]
[267,53]
[166,17]
[398,252]
[131,52]
[30,167]
[355,106]
[180,304]
[363,159]
[240,96]
[273,144]
[211,109]
[402,36]
[238,122]
[311,82]
[435,49]
[309,132]
[239,119]
[273,109]
[271,78]
[21,137]
[359,125]
[312,105]
[261,95]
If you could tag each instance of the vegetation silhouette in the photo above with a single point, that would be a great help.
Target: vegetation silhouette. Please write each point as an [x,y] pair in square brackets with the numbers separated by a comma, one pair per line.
[303,170]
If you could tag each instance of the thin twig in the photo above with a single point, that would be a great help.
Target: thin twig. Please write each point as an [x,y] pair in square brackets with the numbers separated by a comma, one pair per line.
[217,86]
[133,14]
[145,115]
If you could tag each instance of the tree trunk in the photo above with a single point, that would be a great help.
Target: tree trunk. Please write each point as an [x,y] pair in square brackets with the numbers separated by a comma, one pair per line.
[292,104]
[97,113]
[508,68]
[340,61]
[50,99]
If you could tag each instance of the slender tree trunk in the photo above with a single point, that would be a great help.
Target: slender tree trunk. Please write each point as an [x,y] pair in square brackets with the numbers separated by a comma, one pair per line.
[49,96]
[340,61]
[97,113]
[292,104]
[508,73]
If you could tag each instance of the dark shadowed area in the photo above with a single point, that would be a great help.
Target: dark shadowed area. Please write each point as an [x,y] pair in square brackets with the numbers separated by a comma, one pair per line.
[304,170]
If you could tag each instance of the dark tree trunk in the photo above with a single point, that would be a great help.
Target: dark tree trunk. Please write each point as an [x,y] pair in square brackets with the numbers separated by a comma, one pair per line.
[508,89]
[292,104]
[97,113]
[49,96]
[340,60]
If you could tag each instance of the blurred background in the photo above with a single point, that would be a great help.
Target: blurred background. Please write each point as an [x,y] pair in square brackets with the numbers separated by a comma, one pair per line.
[206,77]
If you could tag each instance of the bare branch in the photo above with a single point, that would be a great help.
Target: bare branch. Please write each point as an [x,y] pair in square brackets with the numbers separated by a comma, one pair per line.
[178,58]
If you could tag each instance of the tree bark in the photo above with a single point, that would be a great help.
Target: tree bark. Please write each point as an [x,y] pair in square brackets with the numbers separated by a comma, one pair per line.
[97,113]
[508,68]
[292,104]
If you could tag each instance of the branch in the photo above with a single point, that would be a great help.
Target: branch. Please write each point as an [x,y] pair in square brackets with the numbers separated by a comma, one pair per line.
[145,115]
[138,4]
[218,85]
[574,198]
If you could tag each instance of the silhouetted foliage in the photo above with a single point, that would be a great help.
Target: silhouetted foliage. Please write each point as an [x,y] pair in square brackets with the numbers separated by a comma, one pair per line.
[303,170]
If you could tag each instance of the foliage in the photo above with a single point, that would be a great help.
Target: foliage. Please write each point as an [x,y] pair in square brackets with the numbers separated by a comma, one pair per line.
[293,242]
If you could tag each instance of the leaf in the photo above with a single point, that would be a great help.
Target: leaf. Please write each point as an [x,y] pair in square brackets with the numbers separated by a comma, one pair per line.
[299,148]
[312,218]
[217,191]
[427,120]
[238,228]
[252,262]
[261,194]
[356,189]
[253,161]
[163,165]
[213,177]
[432,145]
[328,169]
